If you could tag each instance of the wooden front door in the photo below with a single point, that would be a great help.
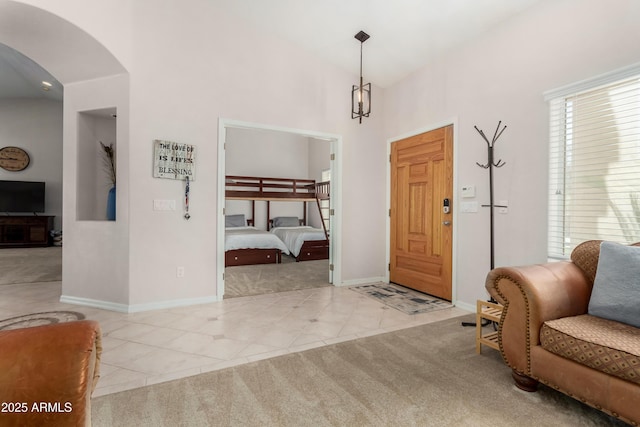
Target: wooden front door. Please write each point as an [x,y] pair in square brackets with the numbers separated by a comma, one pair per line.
[421,232]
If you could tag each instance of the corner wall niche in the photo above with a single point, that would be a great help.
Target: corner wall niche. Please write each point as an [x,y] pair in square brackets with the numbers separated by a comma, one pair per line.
[94,173]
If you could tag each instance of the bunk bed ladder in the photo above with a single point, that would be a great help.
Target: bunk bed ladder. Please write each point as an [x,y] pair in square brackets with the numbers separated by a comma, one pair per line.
[325,211]
[324,205]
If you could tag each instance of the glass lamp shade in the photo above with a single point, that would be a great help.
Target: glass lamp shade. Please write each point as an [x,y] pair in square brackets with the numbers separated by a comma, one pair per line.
[360,101]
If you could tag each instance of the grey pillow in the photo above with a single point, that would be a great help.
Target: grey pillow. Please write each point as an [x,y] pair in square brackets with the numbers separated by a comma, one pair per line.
[616,289]
[235,221]
[286,221]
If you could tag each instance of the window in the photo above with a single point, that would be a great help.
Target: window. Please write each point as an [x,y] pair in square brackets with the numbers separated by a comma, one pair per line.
[594,169]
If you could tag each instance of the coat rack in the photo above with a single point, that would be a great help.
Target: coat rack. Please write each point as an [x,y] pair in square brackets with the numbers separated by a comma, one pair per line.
[490,165]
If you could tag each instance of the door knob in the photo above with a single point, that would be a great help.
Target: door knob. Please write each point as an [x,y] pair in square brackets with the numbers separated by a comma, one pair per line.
[447,223]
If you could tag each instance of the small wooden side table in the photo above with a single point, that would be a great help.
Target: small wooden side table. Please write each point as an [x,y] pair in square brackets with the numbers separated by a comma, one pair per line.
[492,312]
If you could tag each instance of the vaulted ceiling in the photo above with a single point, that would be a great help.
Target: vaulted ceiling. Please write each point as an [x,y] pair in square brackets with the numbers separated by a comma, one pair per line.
[20,77]
[405,35]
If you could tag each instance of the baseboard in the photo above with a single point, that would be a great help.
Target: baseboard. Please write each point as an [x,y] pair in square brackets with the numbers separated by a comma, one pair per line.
[172,303]
[87,302]
[354,282]
[466,306]
[136,308]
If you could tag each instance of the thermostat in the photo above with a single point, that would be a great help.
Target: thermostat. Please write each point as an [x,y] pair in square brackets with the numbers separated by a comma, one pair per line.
[469,191]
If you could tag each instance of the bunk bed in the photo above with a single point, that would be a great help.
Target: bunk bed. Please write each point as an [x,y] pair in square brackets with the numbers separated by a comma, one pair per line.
[283,189]
[246,245]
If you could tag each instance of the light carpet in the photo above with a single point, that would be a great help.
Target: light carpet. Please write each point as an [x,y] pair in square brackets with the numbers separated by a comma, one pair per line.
[30,265]
[404,299]
[247,280]
[428,375]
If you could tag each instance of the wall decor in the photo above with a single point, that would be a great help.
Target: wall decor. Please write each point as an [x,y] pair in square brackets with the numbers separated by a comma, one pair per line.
[186,200]
[14,159]
[173,160]
[108,156]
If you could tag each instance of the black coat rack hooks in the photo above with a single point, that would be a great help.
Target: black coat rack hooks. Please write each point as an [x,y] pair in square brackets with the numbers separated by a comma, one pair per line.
[490,146]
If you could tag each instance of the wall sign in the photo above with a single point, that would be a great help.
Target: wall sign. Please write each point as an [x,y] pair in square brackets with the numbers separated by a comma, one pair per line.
[173,160]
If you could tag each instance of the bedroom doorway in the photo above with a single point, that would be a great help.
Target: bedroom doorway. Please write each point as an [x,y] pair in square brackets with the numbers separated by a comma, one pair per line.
[421,212]
[256,150]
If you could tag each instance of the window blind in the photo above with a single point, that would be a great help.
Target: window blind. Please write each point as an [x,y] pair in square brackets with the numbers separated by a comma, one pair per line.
[594,166]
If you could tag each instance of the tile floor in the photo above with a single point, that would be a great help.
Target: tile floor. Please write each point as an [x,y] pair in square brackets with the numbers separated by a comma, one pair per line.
[146,348]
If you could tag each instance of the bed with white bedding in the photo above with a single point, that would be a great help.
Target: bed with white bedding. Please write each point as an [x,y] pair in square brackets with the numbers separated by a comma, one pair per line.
[246,245]
[304,242]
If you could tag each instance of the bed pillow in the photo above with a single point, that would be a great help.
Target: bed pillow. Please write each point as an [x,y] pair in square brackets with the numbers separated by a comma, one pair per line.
[616,289]
[286,221]
[235,221]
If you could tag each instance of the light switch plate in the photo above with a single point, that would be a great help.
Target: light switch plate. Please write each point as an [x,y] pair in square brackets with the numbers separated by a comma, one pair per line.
[469,207]
[164,205]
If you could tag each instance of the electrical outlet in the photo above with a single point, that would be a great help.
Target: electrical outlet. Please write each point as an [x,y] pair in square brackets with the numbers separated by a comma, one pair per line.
[179,271]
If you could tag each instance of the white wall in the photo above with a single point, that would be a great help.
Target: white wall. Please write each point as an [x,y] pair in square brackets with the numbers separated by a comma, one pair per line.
[502,76]
[266,153]
[95,257]
[35,125]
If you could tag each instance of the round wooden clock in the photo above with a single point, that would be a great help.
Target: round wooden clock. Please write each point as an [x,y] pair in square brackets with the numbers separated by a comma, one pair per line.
[14,159]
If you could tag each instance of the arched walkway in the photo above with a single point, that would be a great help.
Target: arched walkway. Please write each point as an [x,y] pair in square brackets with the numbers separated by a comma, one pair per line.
[95,253]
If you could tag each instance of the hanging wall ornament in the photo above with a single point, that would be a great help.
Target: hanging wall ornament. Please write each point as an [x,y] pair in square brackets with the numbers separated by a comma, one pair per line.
[186,201]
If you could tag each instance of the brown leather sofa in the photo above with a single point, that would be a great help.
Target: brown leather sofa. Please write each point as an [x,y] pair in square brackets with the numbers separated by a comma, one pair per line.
[539,300]
[47,374]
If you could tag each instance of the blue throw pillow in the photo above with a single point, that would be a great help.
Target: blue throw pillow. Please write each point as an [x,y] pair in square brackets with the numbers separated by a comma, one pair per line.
[616,288]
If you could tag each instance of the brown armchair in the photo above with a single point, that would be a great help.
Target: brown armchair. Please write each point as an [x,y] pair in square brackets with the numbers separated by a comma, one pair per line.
[48,373]
[536,296]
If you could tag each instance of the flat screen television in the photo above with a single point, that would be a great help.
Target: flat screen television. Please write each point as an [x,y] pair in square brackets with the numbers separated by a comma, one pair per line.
[21,196]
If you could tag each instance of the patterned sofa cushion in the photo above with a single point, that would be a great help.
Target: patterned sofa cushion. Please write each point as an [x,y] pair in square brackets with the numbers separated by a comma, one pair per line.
[605,345]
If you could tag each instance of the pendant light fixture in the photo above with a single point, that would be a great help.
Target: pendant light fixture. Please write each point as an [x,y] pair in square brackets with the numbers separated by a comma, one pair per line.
[361,94]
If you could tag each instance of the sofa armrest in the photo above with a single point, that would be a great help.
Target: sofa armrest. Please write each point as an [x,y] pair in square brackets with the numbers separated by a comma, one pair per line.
[48,373]
[531,295]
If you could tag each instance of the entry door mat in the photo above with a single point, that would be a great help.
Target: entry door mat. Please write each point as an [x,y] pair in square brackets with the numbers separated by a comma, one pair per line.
[404,299]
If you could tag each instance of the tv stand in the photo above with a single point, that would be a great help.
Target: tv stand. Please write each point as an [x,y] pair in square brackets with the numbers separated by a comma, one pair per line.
[25,231]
